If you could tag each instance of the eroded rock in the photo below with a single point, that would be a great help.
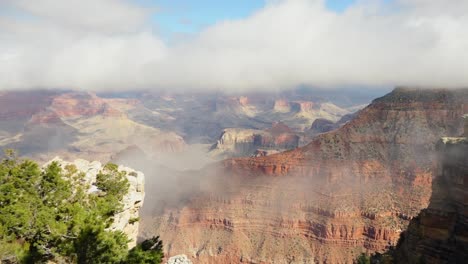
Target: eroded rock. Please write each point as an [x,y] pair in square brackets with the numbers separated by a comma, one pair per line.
[128,219]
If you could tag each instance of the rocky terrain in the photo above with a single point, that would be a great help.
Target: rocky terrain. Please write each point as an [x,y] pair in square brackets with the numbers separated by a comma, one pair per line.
[179,259]
[42,124]
[439,234]
[247,142]
[202,117]
[322,125]
[349,191]
[126,220]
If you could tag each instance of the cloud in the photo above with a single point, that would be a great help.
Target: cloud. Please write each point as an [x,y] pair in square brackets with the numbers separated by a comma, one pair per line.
[88,15]
[285,44]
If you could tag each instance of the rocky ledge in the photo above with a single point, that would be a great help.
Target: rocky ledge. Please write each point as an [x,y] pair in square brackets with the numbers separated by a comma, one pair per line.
[128,219]
[235,142]
[179,259]
[439,234]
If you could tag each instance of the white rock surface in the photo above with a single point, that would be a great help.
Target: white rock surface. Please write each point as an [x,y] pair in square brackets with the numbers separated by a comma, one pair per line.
[179,259]
[132,201]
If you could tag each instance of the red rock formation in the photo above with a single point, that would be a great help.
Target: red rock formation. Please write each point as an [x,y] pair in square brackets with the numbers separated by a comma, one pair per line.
[18,106]
[279,128]
[439,234]
[244,100]
[303,106]
[44,124]
[46,117]
[82,105]
[281,105]
[245,142]
[348,191]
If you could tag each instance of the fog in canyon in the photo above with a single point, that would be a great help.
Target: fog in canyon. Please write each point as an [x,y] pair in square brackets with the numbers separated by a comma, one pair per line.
[294,133]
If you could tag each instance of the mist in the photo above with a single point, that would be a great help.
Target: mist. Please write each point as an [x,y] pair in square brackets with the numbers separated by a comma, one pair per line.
[114,45]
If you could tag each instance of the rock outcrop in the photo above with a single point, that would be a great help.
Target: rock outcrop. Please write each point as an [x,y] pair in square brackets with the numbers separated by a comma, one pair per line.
[439,234]
[179,259]
[235,142]
[349,191]
[128,219]
[322,125]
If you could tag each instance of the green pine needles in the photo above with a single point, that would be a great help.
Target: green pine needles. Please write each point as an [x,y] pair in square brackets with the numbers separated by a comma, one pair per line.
[47,214]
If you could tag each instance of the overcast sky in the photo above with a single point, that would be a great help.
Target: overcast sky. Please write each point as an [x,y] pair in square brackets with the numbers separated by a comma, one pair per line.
[118,44]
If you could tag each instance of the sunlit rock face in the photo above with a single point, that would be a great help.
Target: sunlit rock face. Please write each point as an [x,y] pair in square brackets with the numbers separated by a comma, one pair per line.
[126,220]
[349,191]
[439,234]
[247,142]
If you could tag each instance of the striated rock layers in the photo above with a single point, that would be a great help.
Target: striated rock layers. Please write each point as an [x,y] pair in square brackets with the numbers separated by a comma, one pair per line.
[43,124]
[349,191]
[128,219]
[439,234]
[247,142]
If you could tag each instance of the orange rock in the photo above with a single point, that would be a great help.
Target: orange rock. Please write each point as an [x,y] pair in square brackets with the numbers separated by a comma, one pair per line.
[348,191]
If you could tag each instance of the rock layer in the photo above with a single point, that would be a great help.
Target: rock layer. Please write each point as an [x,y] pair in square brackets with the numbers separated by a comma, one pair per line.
[348,191]
[439,234]
[248,142]
[43,124]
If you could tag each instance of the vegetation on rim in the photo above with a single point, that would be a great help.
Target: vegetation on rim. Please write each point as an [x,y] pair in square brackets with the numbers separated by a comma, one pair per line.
[47,214]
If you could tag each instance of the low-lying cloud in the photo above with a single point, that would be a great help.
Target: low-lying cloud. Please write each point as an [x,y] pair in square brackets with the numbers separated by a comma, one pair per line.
[110,45]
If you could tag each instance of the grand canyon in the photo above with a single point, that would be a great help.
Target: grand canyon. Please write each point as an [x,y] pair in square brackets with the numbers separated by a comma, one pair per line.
[348,191]
[262,191]
[212,132]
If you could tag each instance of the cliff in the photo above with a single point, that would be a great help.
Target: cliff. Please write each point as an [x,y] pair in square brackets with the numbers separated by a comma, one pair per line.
[128,219]
[439,234]
[235,142]
[349,191]
[43,124]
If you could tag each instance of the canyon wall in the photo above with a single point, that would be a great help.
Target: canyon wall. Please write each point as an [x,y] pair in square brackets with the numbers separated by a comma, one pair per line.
[235,142]
[44,124]
[439,234]
[349,191]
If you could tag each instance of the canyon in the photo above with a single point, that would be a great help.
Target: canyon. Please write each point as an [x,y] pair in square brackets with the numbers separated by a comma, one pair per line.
[306,180]
[439,233]
[351,190]
[45,124]
[42,124]
[247,142]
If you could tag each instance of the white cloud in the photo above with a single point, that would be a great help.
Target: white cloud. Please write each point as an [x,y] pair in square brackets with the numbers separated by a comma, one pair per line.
[287,43]
[88,15]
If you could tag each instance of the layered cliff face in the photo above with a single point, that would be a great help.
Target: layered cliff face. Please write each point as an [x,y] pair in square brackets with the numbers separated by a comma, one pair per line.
[126,220]
[348,191]
[439,234]
[202,116]
[43,124]
[247,142]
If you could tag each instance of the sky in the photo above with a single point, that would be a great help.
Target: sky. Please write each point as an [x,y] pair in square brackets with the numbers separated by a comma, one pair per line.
[232,45]
[175,17]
